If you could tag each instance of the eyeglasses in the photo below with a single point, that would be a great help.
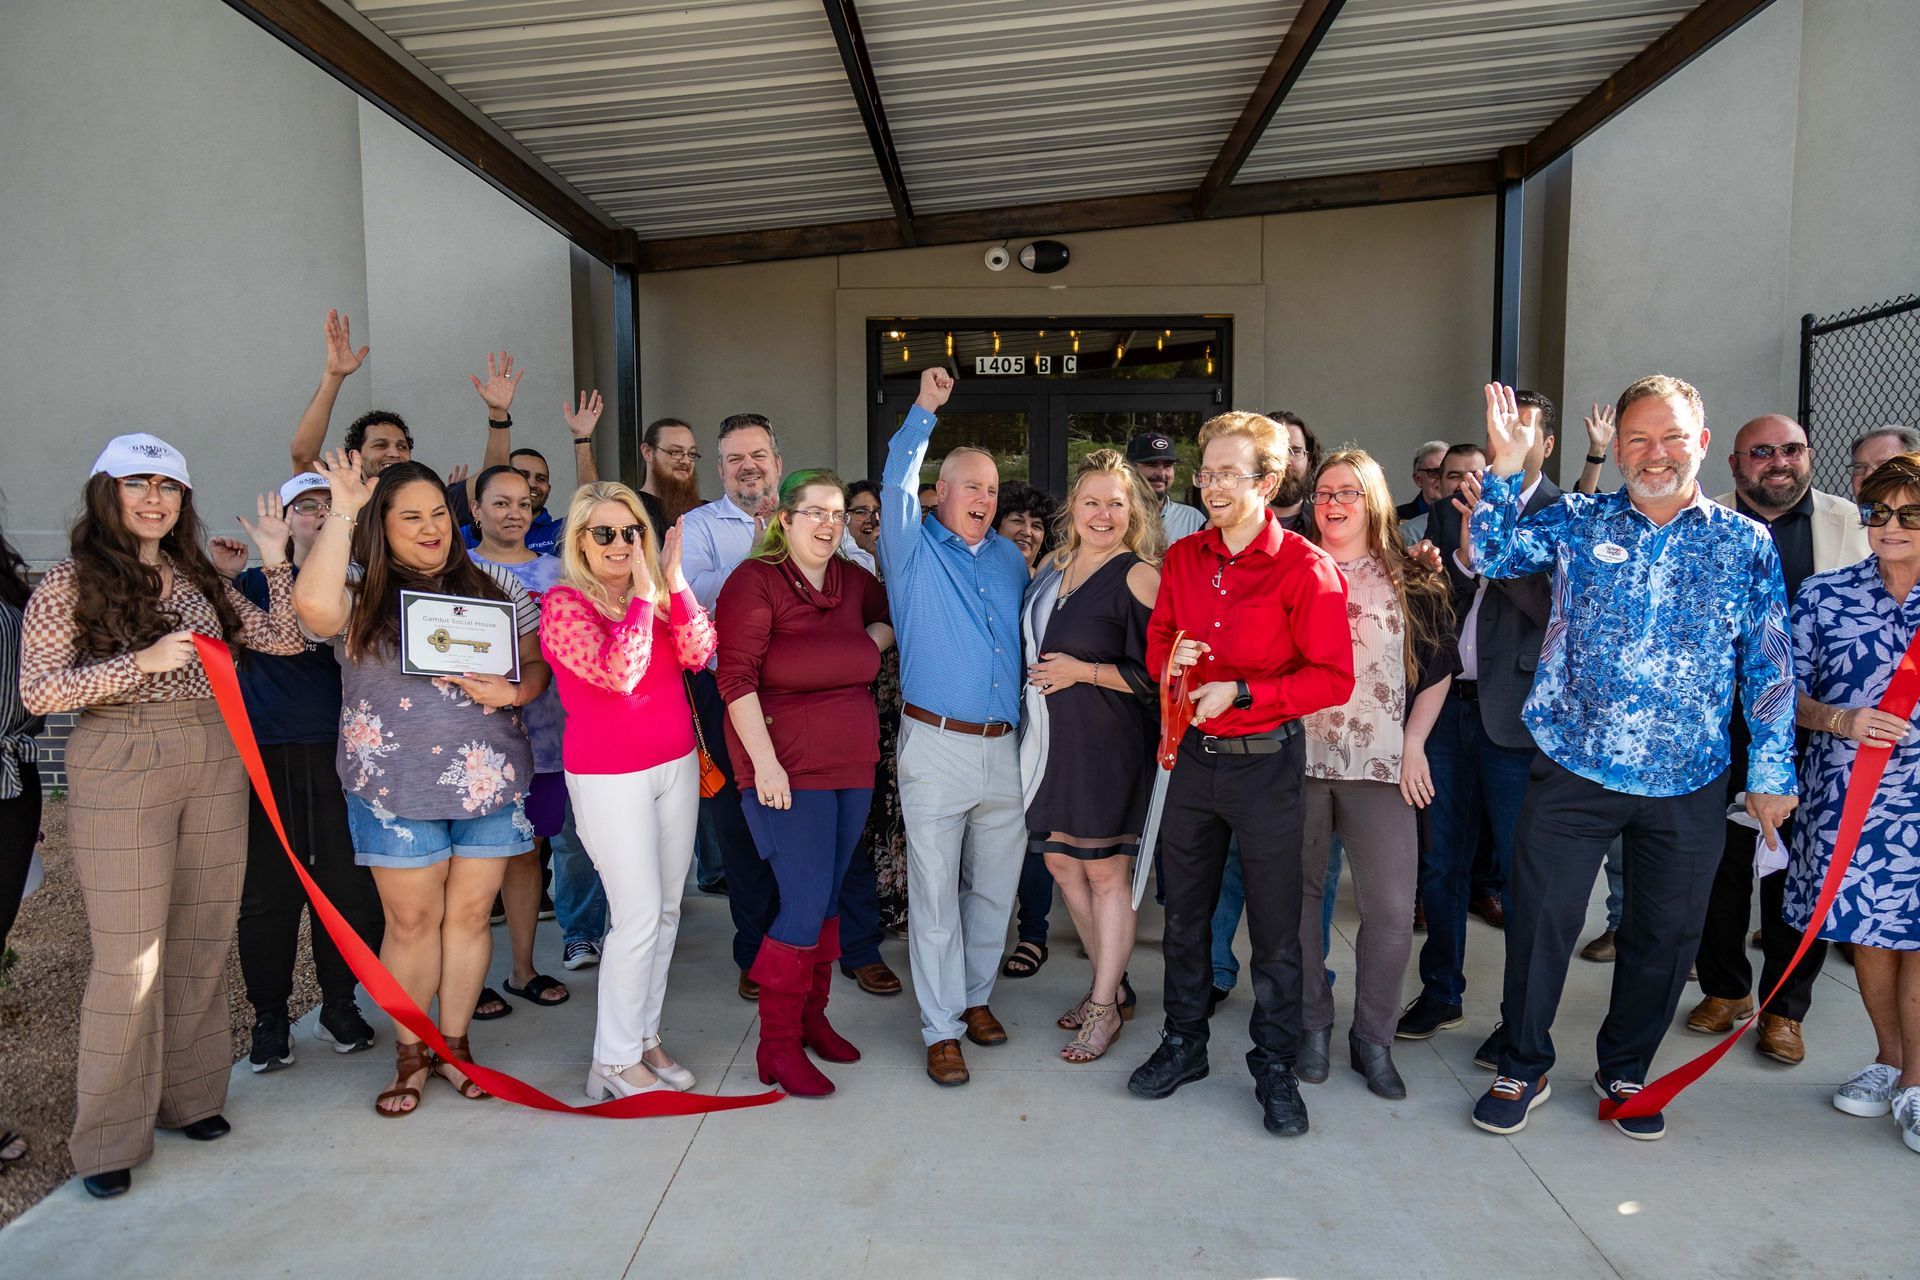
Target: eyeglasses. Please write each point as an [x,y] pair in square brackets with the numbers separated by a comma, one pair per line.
[1297,451]
[1430,473]
[820,515]
[1225,479]
[1345,497]
[679,453]
[1874,515]
[604,534]
[140,486]
[863,513]
[1762,452]
[311,506]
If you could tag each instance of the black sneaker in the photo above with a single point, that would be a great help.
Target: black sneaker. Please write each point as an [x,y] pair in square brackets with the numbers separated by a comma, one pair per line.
[1177,1061]
[272,1043]
[1488,1054]
[1645,1128]
[342,1026]
[1425,1016]
[717,887]
[1281,1109]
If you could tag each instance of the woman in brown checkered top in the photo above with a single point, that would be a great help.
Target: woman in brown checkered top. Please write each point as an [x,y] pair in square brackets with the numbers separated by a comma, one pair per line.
[158,797]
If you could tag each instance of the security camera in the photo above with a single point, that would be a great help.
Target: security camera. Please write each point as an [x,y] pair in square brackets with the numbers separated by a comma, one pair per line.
[998,259]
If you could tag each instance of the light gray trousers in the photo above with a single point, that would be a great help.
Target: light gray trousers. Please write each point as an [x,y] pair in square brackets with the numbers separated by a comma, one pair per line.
[966,838]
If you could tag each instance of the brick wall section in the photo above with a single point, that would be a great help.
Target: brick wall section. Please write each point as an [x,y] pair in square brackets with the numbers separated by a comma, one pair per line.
[52,744]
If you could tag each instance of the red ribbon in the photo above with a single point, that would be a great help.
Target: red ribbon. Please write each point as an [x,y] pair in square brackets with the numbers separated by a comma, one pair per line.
[382,986]
[1176,708]
[1863,785]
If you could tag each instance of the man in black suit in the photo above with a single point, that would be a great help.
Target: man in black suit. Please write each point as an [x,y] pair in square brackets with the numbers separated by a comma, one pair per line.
[1479,750]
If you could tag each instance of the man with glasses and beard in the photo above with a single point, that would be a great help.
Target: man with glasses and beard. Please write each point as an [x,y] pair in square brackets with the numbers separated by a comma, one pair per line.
[1303,459]
[673,485]
[1663,604]
[1772,467]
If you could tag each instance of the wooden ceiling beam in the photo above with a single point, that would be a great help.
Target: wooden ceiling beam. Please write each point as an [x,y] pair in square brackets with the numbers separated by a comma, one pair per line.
[1310,24]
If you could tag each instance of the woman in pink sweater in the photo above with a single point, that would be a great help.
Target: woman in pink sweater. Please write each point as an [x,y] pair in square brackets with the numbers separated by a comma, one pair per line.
[618,629]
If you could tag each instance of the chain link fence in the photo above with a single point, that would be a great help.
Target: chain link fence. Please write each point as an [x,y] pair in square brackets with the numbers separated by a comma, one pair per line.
[1859,370]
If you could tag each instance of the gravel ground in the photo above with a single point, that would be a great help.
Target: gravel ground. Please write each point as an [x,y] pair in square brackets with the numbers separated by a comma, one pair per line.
[40,1020]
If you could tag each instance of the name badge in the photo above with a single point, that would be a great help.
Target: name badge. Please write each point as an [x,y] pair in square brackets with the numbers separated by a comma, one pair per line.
[1610,553]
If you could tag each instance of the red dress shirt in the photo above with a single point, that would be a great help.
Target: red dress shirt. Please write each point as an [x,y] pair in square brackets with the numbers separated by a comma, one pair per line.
[1275,616]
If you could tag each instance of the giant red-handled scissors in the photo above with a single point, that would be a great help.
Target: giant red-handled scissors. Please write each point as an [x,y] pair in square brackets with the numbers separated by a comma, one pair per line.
[1176,713]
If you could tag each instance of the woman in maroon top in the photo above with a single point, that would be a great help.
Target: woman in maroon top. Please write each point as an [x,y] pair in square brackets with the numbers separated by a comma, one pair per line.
[801,634]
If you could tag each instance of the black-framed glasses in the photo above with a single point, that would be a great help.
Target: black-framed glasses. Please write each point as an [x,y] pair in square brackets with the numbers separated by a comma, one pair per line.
[679,453]
[604,534]
[1874,515]
[863,513]
[1345,497]
[1431,473]
[1791,451]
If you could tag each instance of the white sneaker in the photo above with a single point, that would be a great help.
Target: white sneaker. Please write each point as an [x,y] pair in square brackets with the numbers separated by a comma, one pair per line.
[1870,1092]
[1906,1114]
[580,955]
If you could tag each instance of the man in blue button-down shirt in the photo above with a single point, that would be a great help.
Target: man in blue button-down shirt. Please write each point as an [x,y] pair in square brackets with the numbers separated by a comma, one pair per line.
[1662,601]
[955,588]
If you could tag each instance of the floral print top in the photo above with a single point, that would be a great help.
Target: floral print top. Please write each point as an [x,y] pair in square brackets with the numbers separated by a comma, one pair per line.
[1361,739]
[417,747]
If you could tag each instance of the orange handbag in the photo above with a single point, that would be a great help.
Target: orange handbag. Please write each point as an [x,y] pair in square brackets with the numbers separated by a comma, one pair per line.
[711,779]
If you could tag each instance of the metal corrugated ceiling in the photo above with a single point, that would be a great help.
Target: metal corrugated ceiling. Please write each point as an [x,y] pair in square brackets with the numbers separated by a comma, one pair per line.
[1398,83]
[707,116]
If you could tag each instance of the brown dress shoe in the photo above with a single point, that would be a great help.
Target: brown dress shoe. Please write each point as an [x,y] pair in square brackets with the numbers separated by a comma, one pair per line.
[1600,950]
[1487,907]
[1780,1039]
[748,988]
[944,1064]
[1715,1017]
[982,1026]
[876,979]
[1419,916]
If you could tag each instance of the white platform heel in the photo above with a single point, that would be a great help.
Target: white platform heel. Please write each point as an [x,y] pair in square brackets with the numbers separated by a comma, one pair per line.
[675,1075]
[603,1083]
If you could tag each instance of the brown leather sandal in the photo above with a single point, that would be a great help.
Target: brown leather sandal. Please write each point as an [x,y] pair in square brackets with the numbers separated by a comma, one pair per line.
[457,1051]
[1072,1018]
[409,1057]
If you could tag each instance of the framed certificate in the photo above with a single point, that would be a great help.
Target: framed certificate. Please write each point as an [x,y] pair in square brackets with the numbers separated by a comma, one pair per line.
[452,635]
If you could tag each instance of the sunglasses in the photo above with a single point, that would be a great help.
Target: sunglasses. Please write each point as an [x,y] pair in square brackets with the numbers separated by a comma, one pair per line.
[1763,452]
[604,534]
[1874,515]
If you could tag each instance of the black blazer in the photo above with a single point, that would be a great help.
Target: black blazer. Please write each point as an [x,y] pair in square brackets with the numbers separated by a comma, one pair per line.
[1512,624]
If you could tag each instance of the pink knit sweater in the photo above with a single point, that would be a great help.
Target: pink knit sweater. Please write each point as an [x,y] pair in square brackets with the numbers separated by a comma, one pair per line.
[625,711]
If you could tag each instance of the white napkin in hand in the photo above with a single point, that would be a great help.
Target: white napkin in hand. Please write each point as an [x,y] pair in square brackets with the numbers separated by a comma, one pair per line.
[1768,859]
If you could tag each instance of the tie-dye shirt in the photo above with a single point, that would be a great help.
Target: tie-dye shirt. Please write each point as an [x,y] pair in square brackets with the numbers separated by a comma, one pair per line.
[1651,627]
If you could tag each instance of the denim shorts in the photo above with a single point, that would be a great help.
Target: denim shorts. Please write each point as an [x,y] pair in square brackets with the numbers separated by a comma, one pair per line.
[384,839]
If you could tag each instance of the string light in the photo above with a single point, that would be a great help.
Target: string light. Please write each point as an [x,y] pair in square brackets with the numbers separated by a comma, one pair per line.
[1209,359]
[949,343]
[1159,344]
[996,342]
[906,356]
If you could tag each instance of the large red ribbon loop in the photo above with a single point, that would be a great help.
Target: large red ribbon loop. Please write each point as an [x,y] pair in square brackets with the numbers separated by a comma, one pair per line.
[385,990]
[1863,785]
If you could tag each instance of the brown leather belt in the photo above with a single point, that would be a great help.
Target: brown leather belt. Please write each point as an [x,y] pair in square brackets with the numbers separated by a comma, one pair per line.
[997,729]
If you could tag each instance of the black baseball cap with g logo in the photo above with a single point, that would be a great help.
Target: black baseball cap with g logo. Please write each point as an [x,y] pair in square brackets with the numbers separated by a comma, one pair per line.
[1151,446]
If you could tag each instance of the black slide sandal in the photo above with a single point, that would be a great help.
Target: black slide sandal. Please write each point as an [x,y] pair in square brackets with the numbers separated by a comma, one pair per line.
[1025,961]
[537,986]
[489,996]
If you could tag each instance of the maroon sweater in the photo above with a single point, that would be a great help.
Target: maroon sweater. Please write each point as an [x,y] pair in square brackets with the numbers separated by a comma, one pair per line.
[807,654]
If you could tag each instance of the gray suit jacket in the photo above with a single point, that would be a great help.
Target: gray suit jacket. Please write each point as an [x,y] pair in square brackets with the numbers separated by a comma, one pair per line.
[1510,627]
[1838,537]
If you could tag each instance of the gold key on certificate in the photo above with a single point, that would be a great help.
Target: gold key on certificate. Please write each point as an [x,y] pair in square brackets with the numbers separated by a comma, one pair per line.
[452,635]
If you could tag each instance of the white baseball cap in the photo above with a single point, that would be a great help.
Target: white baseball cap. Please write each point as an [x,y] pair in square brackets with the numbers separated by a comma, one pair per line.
[141,455]
[300,484]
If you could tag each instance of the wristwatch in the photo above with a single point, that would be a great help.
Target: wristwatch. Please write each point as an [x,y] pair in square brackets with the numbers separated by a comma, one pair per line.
[501,425]
[1243,696]
[1597,460]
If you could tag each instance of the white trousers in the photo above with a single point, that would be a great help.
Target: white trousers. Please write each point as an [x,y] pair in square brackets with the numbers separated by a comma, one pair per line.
[966,839]
[639,830]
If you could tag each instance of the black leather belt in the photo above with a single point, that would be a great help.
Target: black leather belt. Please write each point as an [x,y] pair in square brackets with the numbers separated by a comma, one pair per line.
[1252,744]
[1467,689]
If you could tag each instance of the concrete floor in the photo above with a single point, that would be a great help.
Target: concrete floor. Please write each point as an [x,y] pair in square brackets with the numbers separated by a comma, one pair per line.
[1036,1168]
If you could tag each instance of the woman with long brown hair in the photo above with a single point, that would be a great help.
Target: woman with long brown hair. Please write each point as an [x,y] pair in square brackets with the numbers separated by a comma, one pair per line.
[437,769]
[1366,771]
[1086,747]
[157,802]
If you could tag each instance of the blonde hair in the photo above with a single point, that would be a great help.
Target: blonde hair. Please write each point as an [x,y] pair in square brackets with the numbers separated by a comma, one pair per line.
[1660,386]
[1269,439]
[1144,537]
[574,569]
[1412,581]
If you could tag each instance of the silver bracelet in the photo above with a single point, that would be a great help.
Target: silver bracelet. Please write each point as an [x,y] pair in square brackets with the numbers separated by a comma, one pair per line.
[342,517]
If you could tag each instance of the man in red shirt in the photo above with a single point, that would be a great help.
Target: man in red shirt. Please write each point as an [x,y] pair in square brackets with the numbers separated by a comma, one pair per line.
[1264,612]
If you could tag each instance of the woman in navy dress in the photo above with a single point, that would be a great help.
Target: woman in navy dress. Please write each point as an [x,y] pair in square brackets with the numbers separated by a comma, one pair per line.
[1850,628]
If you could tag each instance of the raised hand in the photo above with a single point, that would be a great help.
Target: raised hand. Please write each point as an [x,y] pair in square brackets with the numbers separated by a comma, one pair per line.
[229,555]
[350,490]
[342,359]
[936,384]
[457,474]
[669,561]
[1599,429]
[498,389]
[1509,439]
[583,420]
[1424,552]
[269,530]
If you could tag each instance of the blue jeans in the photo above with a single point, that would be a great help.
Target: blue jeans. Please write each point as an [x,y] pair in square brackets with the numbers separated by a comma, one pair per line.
[1472,776]
[1036,897]
[579,903]
[1233,902]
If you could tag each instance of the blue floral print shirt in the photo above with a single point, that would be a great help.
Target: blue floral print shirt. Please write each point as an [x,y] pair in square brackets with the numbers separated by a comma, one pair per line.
[1651,627]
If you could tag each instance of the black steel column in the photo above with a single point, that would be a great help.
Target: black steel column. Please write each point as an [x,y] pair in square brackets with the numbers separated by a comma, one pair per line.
[626,363]
[1508,236]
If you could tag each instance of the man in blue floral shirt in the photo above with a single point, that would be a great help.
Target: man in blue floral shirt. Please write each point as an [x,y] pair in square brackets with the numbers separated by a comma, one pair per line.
[1663,600]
